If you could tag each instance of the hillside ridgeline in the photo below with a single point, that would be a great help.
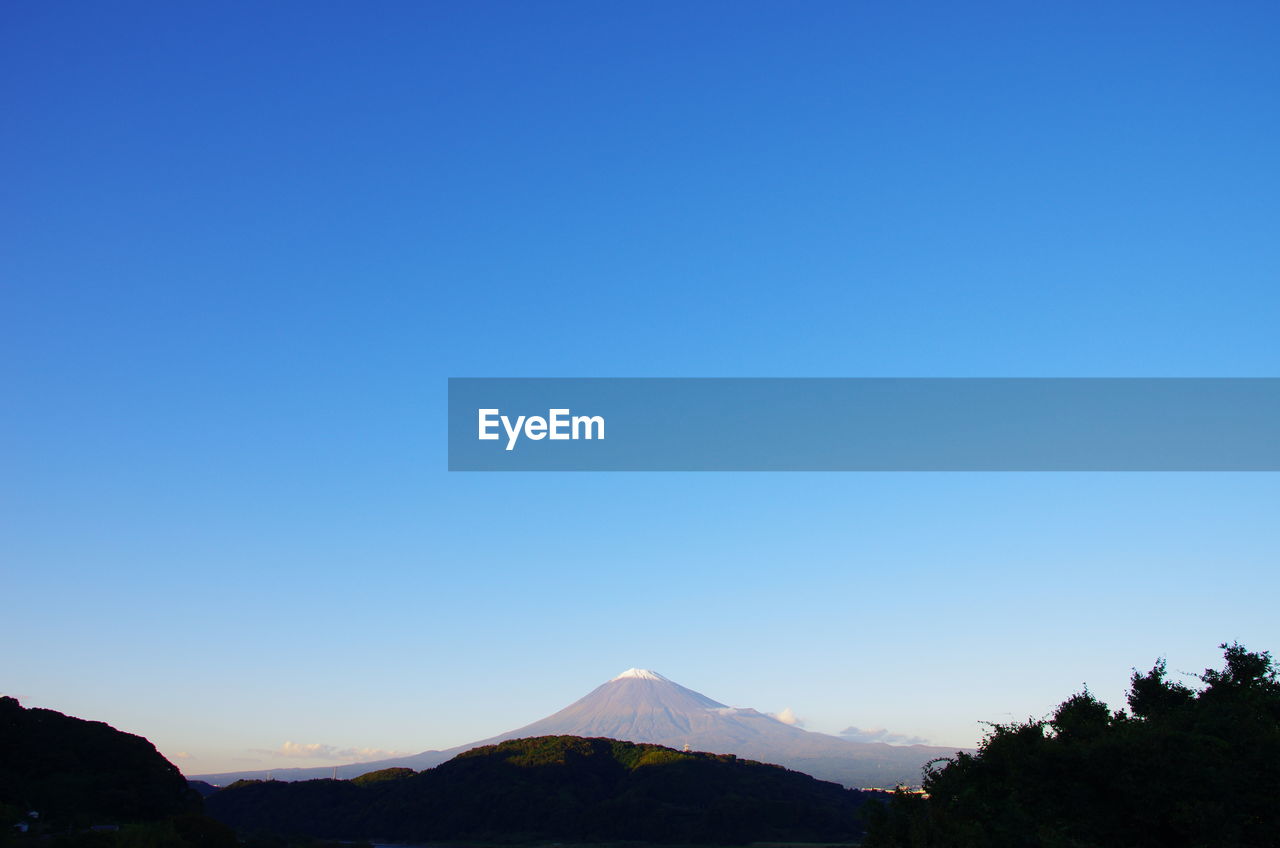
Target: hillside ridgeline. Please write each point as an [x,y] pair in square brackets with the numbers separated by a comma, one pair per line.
[556,787]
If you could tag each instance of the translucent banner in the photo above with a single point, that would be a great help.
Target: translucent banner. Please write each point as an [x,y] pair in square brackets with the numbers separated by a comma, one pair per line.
[863,424]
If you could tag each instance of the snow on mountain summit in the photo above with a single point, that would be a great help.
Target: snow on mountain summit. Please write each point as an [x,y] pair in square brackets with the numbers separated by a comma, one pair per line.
[640,674]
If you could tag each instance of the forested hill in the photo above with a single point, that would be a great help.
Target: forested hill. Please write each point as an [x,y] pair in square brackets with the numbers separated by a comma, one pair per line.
[76,772]
[556,787]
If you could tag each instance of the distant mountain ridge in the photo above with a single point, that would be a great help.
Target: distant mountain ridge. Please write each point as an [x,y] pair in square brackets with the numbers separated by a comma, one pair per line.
[642,706]
[557,787]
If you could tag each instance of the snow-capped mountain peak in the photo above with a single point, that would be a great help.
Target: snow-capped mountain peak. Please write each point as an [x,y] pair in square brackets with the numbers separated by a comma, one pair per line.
[639,674]
[640,705]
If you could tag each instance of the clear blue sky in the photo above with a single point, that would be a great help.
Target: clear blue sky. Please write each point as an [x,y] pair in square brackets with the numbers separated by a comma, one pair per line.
[241,250]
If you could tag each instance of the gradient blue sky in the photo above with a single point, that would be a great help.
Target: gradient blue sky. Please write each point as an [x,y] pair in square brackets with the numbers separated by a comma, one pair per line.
[242,248]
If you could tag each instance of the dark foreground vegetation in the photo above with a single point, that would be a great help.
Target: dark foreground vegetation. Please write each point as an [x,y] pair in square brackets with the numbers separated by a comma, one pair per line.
[556,787]
[91,786]
[1182,767]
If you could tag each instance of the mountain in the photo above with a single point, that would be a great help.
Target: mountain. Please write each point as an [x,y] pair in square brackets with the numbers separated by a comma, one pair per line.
[202,788]
[76,773]
[643,706]
[557,787]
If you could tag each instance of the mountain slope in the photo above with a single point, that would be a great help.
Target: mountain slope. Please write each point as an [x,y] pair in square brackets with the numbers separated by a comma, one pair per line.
[638,705]
[558,787]
[643,706]
[76,772]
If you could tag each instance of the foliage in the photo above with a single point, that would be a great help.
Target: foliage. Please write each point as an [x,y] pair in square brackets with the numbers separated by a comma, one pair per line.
[1182,767]
[557,787]
[78,773]
[383,774]
[187,830]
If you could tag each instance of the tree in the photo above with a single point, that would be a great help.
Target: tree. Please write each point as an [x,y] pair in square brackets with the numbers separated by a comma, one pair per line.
[1183,767]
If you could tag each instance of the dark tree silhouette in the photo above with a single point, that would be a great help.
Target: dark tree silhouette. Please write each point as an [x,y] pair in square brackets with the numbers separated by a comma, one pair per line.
[1182,767]
[557,787]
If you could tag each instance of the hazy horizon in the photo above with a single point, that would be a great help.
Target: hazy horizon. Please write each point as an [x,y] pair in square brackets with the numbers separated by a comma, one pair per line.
[785,716]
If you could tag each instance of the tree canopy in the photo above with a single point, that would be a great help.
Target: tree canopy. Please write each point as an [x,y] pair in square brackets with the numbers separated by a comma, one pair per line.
[557,787]
[1182,766]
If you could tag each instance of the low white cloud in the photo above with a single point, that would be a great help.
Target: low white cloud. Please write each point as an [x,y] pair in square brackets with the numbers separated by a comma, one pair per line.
[788,716]
[314,750]
[183,755]
[320,751]
[880,734]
